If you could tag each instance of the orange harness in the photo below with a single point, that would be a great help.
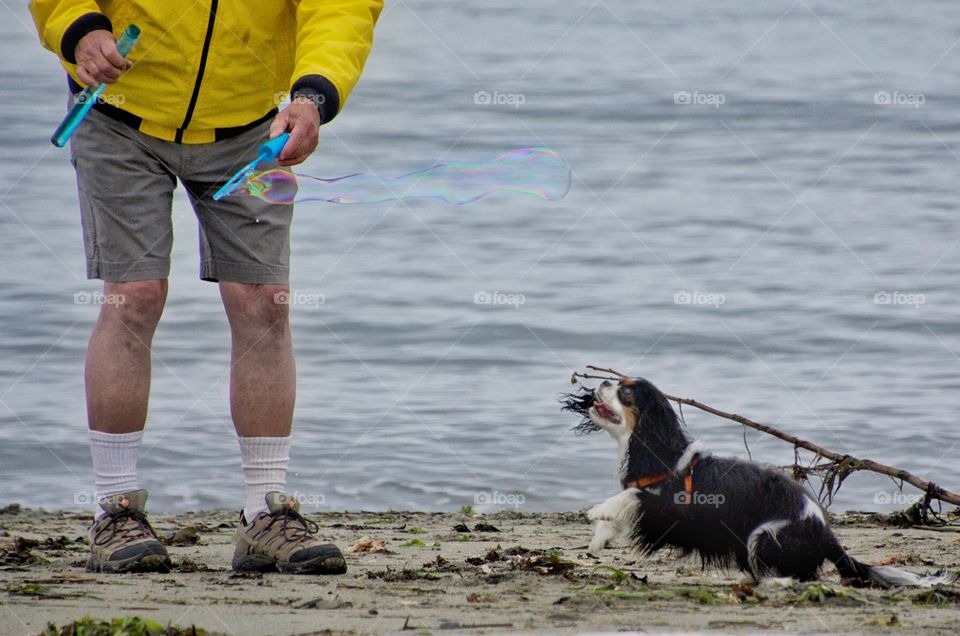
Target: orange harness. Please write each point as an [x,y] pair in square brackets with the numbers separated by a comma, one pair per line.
[643,482]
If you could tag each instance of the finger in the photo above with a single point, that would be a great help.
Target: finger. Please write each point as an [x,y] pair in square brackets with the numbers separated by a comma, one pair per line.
[100,78]
[298,154]
[298,148]
[294,160]
[110,52]
[107,71]
[279,125]
[295,157]
[305,136]
[86,77]
[293,146]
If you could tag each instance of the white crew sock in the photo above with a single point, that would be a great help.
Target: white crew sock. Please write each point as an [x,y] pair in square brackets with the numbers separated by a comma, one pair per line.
[115,458]
[264,461]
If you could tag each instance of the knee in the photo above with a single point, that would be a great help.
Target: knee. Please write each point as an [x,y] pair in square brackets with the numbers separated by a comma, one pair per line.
[257,308]
[136,304]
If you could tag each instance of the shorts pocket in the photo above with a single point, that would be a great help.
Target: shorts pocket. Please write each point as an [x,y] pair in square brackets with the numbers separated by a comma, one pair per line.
[88,222]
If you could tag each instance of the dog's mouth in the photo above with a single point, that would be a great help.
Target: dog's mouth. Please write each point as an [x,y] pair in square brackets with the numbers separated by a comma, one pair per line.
[581,403]
[605,412]
[595,414]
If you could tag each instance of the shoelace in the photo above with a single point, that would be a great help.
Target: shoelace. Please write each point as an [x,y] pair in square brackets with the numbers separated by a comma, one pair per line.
[295,533]
[114,526]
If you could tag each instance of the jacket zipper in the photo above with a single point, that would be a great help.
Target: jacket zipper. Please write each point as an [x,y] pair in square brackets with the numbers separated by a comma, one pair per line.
[203,65]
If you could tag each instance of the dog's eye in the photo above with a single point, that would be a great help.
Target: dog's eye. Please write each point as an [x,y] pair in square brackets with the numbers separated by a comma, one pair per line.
[625,395]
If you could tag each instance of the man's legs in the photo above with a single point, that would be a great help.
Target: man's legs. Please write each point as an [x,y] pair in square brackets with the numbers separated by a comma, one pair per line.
[118,380]
[273,535]
[118,387]
[263,381]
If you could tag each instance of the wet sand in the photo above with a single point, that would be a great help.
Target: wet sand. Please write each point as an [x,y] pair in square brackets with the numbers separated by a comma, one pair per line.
[459,573]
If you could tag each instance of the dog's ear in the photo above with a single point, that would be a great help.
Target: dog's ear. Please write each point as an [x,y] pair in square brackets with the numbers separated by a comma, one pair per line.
[580,403]
[661,426]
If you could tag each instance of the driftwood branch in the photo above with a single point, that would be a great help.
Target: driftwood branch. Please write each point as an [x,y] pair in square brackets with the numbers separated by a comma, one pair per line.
[842,465]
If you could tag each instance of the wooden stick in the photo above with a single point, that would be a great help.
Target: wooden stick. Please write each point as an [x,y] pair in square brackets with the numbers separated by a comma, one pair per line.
[611,371]
[933,490]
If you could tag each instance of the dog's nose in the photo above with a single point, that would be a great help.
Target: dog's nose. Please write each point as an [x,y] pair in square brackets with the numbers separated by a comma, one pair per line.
[605,384]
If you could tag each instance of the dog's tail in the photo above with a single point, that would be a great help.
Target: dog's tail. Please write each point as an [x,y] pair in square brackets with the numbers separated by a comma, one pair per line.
[884,575]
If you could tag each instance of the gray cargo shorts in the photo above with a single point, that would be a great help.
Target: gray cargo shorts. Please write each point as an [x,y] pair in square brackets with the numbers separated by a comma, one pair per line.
[126,181]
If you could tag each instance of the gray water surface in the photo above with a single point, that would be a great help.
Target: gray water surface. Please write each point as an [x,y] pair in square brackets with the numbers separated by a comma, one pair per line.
[811,178]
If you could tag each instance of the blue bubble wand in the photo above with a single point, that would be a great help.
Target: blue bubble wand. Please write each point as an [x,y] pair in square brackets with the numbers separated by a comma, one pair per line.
[89,96]
[267,152]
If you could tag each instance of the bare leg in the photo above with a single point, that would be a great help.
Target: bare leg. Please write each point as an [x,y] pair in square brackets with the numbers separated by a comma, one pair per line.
[117,370]
[263,379]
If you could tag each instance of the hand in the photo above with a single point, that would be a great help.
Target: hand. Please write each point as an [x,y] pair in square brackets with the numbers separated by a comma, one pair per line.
[302,120]
[98,59]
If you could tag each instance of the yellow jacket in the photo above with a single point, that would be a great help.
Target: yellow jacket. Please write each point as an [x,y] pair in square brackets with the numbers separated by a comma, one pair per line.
[208,69]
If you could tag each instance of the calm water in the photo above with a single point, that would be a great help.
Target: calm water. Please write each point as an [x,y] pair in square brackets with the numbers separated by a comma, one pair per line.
[814,167]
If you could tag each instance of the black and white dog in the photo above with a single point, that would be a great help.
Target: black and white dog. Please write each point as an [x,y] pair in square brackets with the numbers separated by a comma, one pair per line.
[729,512]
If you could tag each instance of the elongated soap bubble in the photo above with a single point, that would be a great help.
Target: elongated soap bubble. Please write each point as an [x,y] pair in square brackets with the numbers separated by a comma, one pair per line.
[539,172]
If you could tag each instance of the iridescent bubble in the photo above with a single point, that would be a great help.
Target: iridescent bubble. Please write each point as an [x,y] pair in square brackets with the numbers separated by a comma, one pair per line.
[539,172]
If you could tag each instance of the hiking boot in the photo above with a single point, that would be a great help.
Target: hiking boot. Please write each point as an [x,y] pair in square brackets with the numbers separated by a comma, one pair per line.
[123,540]
[281,539]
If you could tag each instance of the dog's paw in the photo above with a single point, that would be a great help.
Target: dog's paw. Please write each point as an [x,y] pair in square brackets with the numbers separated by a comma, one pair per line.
[776,582]
[596,547]
[604,532]
[619,509]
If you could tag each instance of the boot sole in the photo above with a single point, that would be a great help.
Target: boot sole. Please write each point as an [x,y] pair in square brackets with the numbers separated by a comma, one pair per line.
[139,563]
[330,561]
[319,565]
[253,563]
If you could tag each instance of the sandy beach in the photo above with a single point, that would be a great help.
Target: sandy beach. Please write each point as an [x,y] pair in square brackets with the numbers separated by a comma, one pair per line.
[458,573]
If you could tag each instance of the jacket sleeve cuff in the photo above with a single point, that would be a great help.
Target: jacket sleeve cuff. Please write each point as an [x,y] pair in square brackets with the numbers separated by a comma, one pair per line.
[321,91]
[81,26]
